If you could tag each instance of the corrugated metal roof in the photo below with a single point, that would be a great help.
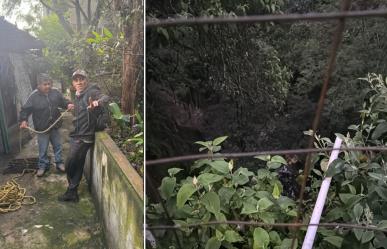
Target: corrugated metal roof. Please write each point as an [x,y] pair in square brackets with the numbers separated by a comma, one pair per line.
[13,39]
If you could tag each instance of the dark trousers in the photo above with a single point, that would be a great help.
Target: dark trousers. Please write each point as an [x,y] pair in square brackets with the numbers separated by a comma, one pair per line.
[76,162]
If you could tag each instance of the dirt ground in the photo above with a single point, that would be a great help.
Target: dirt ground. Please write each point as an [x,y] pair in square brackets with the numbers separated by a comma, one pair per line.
[49,223]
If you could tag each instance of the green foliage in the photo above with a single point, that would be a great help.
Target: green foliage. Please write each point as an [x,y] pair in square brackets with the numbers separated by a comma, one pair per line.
[58,47]
[217,192]
[129,139]
[257,82]
[357,192]
[196,67]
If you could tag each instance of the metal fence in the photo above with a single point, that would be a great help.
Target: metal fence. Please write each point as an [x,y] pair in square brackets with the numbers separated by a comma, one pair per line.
[340,17]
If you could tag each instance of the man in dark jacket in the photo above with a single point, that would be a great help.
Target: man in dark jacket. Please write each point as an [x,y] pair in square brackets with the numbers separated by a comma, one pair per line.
[43,104]
[88,103]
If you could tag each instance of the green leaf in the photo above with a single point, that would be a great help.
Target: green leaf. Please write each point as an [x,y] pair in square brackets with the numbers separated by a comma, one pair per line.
[232,236]
[285,202]
[205,144]
[250,206]
[334,240]
[336,167]
[90,40]
[261,238]
[221,166]
[221,217]
[244,171]
[199,163]
[97,36]
[367,236]
[215,148]
[107,33]
[325,232]
[263,157]
[208,178]
[268,217]
[350,199]
[225,194]
[376,176]
[213,243]
[276,191]
[239,179]
[382,224]
[352,189]
[379,130]
[219,140]
[358,233]
[263,173]
[287,243]
[173,171]
[211,202]
[275,239]
[241,176]
[335,214]
[264,204]
[382,192]
[278,159]
[358,211]
[219,235]
[167,186]
[324,164]
[353,127]
[164,32]
[185,192]
[273,165]
[115,110]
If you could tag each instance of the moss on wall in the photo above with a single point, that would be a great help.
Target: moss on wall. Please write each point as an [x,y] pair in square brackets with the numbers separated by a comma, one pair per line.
[118,190]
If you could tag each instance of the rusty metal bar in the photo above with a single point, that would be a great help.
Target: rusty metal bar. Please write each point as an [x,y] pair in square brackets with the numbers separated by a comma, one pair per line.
[262,224]
[265,18]
[257,153]
[337,38]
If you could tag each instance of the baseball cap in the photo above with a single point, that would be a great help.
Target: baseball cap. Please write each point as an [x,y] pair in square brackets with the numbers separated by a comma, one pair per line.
[43,77]
[79,72]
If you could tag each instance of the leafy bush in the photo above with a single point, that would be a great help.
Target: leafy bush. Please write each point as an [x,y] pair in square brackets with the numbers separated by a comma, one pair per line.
[129,138]
[358,191]
[219,191]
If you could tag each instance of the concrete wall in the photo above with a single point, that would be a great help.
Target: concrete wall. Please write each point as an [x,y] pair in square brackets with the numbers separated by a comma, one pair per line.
[118,192]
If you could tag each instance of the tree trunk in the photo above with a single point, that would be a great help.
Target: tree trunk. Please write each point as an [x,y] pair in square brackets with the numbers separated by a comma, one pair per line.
[78,14]
[132,55]
[89,9]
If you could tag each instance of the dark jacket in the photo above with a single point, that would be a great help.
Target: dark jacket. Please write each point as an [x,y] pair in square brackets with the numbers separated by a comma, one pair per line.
[85,119]
[44,108]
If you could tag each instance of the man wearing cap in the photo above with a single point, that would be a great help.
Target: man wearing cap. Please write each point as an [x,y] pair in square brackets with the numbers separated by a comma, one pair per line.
[44,103]
[88,105]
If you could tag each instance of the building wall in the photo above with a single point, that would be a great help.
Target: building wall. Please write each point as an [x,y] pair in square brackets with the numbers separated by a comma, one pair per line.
[15,87]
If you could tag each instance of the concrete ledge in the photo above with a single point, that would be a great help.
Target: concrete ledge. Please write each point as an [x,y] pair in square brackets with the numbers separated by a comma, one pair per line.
[118,192]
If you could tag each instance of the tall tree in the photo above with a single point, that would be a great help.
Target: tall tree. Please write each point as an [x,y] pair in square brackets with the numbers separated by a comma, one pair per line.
[132,15]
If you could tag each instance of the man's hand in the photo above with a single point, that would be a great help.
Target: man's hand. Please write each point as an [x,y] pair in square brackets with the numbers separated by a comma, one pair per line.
[70,107]
[92,104]
[23,125]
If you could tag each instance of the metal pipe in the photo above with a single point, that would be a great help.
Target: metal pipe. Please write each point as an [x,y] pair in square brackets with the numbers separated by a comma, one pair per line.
[319,206]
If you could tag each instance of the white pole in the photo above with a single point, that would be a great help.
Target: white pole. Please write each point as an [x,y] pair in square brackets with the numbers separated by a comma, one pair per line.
[319,206]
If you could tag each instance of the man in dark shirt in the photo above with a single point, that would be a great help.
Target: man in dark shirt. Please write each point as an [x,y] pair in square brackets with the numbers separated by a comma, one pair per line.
[88,103]
[43,104]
